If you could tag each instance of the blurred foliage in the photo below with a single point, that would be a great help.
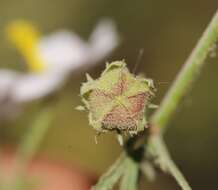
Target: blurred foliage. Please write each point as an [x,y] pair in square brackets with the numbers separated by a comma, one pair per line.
[167,31]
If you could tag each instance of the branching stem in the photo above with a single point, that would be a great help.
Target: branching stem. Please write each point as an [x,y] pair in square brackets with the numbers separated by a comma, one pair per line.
[162,116]
[187,75]
[110,178]
[165,162]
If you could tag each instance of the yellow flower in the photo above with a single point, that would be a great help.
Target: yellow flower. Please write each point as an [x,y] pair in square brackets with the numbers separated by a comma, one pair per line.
[25,36]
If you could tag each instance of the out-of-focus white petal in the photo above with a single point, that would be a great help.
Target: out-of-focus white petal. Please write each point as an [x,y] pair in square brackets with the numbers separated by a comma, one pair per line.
[103,40]
[63,50]
[7,82]
[67,52]
[33,86]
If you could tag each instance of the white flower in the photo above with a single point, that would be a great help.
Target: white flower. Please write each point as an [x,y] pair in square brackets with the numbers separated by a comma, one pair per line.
[51,59]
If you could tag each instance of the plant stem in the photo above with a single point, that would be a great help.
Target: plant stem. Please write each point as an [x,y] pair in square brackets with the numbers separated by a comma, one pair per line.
[187,75]
[34,136]
[161,117]
[31,144]
[110,178]
[174,96]
[159,150]
[130,177]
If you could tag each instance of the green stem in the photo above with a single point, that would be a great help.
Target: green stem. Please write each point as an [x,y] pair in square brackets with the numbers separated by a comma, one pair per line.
[31,144]
[159,150]
[177,91]
[187,75]
[130,177]
[161,117]
[110,178]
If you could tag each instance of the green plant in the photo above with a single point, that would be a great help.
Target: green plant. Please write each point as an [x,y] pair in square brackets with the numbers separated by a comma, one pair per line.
[152,149]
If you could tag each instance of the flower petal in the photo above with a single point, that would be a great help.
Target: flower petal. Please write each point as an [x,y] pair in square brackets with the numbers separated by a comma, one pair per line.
[103,40]
[7,80]
[66,51]
[62,51]
[33,86]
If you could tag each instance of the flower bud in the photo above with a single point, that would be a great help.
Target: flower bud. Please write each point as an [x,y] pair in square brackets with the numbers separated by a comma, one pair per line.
[117,100]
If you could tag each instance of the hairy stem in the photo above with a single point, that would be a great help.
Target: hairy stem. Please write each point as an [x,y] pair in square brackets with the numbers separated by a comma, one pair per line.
[187,75]
[159,150]
[155,145]
[130,177]
[174,96]
[110,178]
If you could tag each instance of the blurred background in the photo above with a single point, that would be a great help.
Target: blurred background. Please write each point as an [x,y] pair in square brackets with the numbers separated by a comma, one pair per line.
[166,31]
